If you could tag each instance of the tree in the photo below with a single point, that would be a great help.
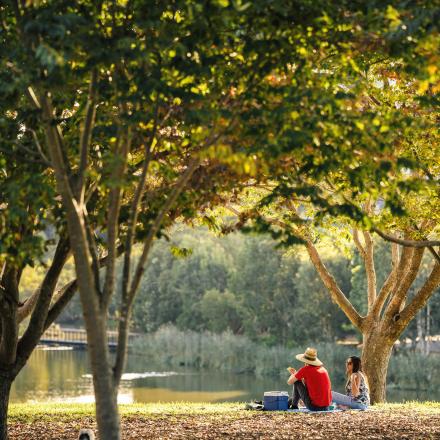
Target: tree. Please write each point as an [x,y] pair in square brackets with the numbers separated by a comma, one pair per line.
[220,310]
[27,206]
[55,97]
[243,273]
[380,131]
[389,309]
[148,112]
[152,111]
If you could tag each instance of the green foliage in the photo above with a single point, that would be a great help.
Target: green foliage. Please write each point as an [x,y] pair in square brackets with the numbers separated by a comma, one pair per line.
[286,96]
[413,371]
[243,284]
[382,265]
[315,317]
[220,311]
[250,90]
[169,347]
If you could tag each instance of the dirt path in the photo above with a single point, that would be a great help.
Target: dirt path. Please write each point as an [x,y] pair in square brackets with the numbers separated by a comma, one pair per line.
[244,425]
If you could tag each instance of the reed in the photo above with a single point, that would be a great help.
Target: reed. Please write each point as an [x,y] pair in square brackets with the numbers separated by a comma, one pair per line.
[170,347]
[414,371]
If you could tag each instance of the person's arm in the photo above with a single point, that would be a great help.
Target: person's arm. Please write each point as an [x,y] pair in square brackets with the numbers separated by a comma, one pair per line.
[355,382]
[298,375]
[292,379]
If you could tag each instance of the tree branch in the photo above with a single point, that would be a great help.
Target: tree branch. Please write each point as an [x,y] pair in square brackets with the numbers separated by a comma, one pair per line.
[126,306]
[62,298]
[332,286]
[93,251]
[134,209]
[114,208]
[39,148]
[405,242]
[370,269]
[327,278]
[35,327]
[358,244]
[36,157]
[399,297]
[28,306]
[86,136]
[33,98]
[420,299]
[388,284]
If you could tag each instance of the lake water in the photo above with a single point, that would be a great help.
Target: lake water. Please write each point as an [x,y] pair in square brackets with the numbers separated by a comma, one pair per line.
[64,375]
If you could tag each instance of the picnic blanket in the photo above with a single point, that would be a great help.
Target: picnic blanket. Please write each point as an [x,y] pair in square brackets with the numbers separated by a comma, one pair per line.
[258,406]
[305,410]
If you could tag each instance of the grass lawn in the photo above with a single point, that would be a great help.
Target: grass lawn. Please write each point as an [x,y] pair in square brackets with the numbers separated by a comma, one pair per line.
[412,420]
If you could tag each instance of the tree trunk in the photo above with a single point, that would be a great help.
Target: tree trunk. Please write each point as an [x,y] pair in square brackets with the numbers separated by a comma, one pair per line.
[5,389]
[376,352]
[420,333]
[428,329]
[105,390]
[106,406]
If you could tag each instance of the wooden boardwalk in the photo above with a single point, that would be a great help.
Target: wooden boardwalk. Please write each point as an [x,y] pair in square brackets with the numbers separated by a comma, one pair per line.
[75,337]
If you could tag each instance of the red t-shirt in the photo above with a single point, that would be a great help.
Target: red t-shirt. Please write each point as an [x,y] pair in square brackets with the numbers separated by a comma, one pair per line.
[318,384]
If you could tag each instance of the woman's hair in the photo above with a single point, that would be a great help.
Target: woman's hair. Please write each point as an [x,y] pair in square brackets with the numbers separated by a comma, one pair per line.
[357,363]
[357,368]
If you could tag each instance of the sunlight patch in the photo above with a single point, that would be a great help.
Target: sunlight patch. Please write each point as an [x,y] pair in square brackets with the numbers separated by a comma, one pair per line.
[133,376]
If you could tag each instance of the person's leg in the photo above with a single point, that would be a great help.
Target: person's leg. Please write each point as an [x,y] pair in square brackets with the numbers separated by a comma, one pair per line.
[300,392]
[295,396]
[343,399]
[357,405]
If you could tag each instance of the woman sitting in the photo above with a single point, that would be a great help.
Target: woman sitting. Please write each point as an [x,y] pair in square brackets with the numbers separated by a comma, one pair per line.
[357,394]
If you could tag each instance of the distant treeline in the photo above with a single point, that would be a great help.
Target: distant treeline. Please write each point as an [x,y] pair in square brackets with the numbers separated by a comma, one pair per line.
[242,283]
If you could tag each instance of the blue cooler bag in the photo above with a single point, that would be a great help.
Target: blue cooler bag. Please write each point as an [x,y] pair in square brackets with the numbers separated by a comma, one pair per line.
[276,400]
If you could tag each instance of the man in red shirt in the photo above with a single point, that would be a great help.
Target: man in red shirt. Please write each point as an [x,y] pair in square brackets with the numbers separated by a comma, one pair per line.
[311,383]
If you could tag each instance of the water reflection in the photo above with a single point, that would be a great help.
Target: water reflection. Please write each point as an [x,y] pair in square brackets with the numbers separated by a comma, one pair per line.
[65,375]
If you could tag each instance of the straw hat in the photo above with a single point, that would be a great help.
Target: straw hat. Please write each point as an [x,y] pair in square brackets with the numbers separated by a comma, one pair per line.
[309,357]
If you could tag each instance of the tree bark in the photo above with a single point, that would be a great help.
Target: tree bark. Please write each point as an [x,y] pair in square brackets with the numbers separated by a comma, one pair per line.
[428,329]
[105,392]
[9,297]
[5,389]
[420,332]
[376,352]
[94,317]
[95,321]
[35,328]
[332,286]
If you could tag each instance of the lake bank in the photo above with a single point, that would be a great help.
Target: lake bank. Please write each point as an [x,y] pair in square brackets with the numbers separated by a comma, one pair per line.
[411,420]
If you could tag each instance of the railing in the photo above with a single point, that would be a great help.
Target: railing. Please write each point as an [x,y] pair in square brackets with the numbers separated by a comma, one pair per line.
[56,335]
